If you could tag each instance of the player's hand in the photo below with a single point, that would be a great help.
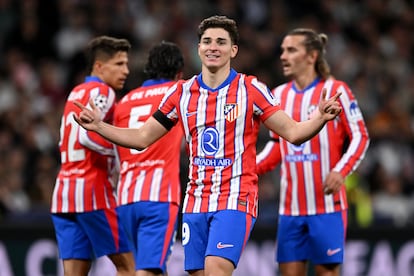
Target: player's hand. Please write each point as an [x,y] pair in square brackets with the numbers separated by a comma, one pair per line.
[88,118]
[329,108]
[333,183]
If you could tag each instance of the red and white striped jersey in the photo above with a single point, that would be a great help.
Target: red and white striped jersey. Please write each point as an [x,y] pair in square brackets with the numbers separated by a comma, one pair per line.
[83,183]
[153,173]
[220,127]
[340,146]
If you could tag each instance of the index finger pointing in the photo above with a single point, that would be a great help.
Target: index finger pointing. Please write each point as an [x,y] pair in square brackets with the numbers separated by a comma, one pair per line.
[323,93]
[337,95]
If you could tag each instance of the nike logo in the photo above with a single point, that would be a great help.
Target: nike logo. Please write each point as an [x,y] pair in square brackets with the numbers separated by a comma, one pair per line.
[188,114]
[331,252]
[221,245]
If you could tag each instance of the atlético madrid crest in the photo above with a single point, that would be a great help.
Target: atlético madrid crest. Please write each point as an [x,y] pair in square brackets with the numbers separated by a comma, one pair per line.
[231,111]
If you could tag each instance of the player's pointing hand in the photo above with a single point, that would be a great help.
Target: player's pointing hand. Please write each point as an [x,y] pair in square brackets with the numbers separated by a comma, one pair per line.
[329,108]
[88,118]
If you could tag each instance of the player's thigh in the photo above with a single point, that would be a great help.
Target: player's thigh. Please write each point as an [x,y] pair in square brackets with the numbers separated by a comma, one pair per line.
[292,239]
[194,240]
[229,232]
[73,242]
[105,233]
[155,234]
[327,237]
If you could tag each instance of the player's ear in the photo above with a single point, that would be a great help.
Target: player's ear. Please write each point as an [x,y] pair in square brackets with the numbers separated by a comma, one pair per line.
[234,50]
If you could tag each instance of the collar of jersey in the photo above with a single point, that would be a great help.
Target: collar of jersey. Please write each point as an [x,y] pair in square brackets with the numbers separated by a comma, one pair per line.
[231,76]
[151,82]
[93,78]
[312,84]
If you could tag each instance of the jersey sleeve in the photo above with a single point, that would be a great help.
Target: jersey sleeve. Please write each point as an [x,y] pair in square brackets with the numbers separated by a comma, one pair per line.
[104,99]
[168,105]
[270,156]
[264,102]
[357,132]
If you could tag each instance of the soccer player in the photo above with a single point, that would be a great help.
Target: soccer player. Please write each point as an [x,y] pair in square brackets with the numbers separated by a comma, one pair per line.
[313,206]
[219,110]
[83,203]
[149,190]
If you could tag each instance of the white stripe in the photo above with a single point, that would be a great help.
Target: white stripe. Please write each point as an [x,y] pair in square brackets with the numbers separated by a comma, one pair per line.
[139,183]
[156,184]
[125,187]
[65,195]
[55,196]
[79,195]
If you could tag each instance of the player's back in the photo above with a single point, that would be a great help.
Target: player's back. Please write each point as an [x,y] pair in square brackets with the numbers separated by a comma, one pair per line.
[151,174]
[83,181]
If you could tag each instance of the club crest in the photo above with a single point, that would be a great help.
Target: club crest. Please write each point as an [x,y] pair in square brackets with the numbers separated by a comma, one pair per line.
[231,111]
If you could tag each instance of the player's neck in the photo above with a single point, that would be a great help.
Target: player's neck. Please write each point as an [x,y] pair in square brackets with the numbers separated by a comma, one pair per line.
[214,78]
[304,80]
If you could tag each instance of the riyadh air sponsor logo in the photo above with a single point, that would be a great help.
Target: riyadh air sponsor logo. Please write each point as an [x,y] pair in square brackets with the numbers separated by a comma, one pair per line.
[221,245]
[331,252]
[210,141]
[301,157]
[298,156]
[212,162]
[297,148]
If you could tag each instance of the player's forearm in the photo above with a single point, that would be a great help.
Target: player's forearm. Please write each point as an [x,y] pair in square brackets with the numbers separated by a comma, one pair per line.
[125,137]
[306,130]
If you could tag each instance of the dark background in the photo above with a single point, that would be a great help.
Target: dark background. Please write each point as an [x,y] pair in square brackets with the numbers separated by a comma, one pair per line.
[371,47]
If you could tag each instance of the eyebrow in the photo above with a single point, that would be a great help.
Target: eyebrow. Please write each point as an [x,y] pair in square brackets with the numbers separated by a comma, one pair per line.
[219,39]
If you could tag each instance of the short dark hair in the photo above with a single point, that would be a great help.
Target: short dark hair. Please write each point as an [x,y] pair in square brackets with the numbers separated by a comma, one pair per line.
[164,61]
[104,48]
[220,21]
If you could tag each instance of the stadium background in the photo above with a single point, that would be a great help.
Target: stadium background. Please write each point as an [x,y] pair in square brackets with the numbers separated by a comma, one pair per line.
[371,47]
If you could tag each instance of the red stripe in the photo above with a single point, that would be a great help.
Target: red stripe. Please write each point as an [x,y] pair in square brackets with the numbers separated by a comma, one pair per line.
[112,219]
[248,227]
[172,218]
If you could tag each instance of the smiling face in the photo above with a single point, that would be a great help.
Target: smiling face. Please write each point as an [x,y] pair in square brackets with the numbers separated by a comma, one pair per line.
[296,61]
[113,71]
[216,49]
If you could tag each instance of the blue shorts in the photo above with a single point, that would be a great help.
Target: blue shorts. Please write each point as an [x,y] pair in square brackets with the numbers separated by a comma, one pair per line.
[89,235]
[152,227]
[222,233]
[318,238]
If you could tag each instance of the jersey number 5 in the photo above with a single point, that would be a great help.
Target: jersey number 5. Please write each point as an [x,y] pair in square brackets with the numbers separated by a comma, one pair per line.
[137,118]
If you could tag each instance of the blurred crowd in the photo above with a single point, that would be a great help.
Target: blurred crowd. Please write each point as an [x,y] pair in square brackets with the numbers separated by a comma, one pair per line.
[370,46]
